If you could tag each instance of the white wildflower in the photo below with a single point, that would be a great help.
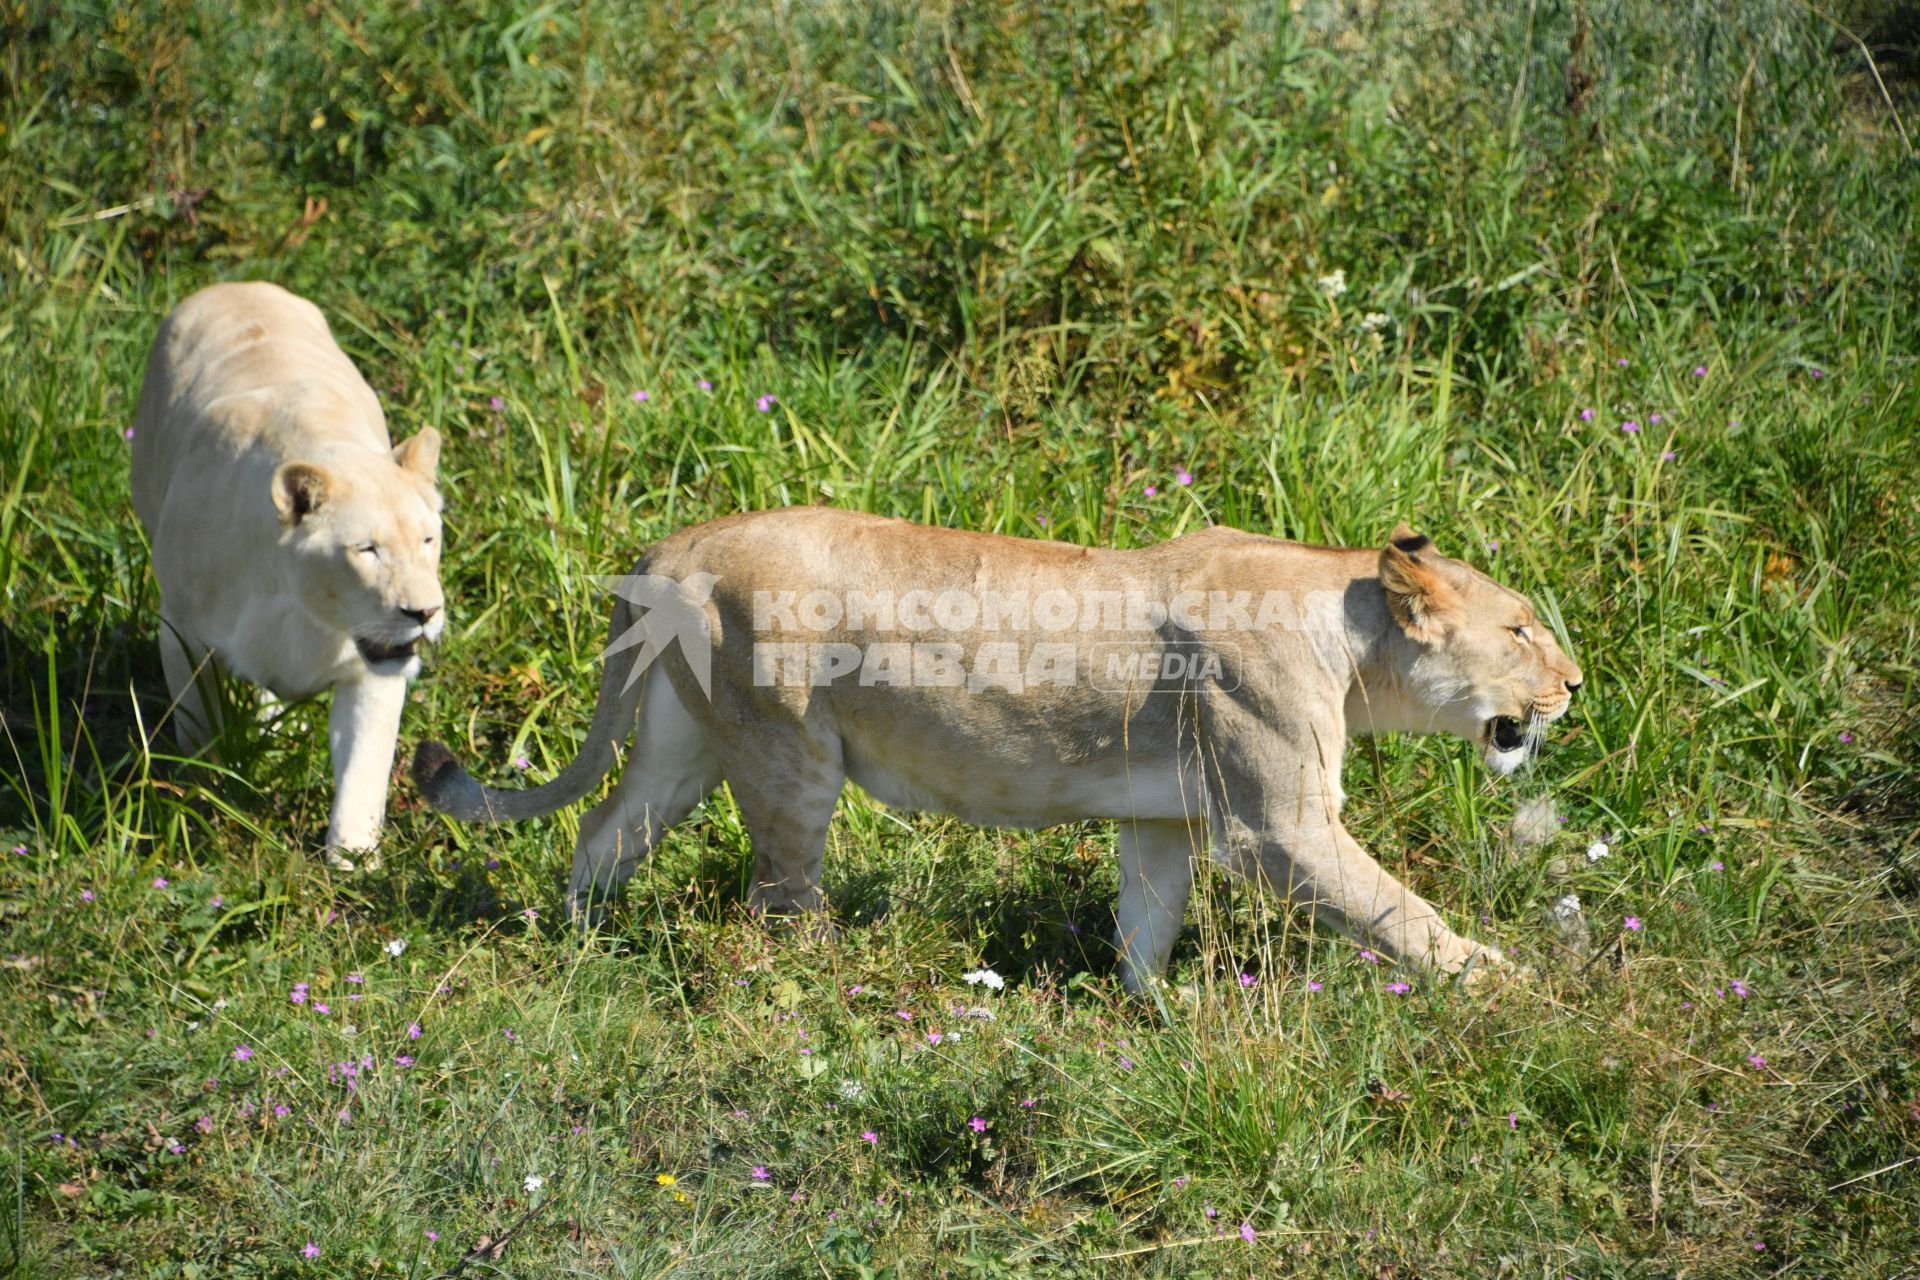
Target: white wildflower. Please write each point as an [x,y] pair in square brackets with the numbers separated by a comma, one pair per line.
[1374,321]
[1567,908]
[534,1183]
[395,947]
[221,1003]
[1332,285]
[1535,822]
[1597,850]
[982,1013]
[984,978]
[852,1090]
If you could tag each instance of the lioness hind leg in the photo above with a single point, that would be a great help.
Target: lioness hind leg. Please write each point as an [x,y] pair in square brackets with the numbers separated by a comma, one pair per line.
[1156,877]
[787,820]
[671,770]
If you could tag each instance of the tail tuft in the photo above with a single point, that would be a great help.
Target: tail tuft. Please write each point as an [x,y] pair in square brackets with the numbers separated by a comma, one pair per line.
[432,762]
[445,784]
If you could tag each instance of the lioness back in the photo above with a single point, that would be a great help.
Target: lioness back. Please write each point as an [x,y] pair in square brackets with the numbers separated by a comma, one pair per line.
[231,352]
[973,656]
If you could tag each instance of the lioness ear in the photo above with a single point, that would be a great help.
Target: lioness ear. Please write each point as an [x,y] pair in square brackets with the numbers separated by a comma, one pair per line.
[421,454]
[1418,593]
[299,490]
[1408,541]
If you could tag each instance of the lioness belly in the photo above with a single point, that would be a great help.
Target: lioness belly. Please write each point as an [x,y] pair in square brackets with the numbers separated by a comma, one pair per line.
[974,781]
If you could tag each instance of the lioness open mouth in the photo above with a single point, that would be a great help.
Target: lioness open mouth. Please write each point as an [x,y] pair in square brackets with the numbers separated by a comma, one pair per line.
[1507,733]
[379,654]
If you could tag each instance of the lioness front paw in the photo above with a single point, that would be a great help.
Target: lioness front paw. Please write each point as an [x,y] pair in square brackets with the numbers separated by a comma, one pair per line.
[341,858]
[1486,968]
[809,926]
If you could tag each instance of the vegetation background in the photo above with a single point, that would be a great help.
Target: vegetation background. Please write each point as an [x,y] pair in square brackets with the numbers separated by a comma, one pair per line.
[1616,298]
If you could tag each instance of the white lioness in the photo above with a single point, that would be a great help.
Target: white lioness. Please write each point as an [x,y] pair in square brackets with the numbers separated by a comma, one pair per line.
[294,545]
[1201,692]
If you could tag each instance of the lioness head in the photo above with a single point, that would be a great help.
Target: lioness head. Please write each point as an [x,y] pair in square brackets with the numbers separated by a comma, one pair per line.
[364,533]
[1485,667]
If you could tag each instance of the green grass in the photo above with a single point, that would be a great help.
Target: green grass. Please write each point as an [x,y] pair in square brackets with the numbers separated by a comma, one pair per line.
[1003,268]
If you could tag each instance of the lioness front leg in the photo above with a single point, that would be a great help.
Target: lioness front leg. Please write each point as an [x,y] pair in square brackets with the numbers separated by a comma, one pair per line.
[1369,904]
[362,731]
[1275,800]
[1156,877]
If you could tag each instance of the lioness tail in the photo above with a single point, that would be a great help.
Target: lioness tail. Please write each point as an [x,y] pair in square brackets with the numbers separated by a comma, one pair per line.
[453,791]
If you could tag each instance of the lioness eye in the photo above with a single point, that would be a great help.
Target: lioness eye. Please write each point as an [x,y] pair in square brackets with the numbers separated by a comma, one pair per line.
[367,550]
[1521,632]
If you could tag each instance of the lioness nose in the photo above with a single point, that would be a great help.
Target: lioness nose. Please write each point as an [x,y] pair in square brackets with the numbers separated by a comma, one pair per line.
[1573,686]
[422,616]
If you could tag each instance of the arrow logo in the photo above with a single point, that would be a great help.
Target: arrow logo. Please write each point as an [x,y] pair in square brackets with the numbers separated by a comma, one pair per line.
[669,610]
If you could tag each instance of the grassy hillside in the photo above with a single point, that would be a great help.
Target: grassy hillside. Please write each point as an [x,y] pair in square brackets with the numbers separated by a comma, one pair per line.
[1019,269]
